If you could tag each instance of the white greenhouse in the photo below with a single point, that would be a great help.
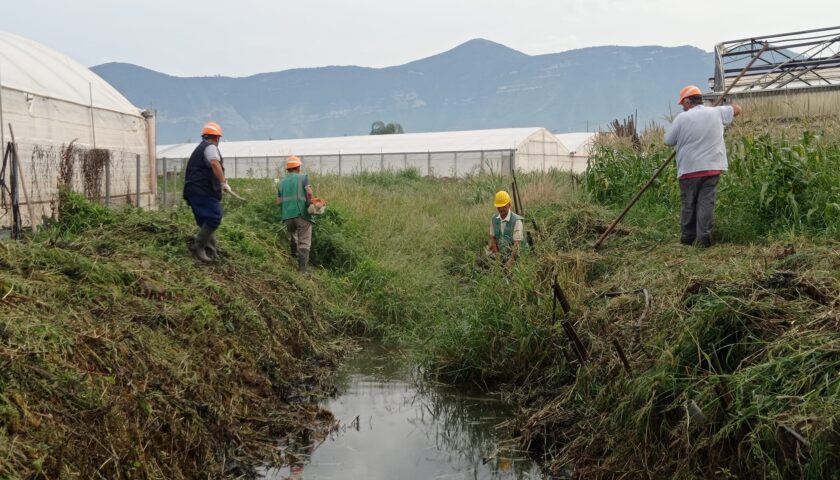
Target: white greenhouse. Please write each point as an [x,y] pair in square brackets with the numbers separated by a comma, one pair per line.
[49,101]
[443,154]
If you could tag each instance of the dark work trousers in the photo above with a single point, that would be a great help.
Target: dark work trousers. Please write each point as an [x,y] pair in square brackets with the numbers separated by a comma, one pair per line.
[698,209]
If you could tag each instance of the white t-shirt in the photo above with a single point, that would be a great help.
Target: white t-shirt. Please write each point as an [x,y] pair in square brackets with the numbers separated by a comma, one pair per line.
[211,152]
[698,136]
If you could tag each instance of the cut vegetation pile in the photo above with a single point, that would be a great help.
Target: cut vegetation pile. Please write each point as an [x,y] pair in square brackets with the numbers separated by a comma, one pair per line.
[120,357]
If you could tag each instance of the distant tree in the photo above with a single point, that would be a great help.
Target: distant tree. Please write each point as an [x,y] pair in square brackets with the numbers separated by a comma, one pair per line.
[381,128]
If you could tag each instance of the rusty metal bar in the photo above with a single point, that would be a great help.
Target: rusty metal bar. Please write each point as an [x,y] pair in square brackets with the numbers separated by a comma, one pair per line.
[622,356]
[560,295]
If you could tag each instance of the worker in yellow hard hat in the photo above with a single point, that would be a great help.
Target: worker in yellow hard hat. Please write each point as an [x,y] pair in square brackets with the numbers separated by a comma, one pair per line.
[294,195]
[697,134]
[204,182]
[506,231]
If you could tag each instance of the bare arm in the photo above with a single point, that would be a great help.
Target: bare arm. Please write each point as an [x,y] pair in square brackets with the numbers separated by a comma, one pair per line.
[736,109]
[309,193]
[217,171]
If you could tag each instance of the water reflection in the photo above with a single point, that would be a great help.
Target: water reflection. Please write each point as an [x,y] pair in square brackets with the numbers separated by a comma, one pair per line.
[389,428]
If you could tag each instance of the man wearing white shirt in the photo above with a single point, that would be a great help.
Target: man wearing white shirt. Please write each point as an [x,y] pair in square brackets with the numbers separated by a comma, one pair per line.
[697,134]
[505,231]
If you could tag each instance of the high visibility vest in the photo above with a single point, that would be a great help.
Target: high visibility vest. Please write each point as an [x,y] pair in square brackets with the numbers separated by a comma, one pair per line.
[504,239]
[293,197]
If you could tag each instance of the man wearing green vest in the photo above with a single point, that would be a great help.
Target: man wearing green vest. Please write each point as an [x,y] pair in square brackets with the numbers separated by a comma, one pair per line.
[294,195]
[505,231]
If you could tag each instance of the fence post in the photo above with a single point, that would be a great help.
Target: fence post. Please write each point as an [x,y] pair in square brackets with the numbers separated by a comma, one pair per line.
[267,170]
[164,181]
[381,161]
[339,164]
[108,181]
[137,161]
[235,165]
[455,165]
[184,163]
[17,222]
[482,162]
[429,163]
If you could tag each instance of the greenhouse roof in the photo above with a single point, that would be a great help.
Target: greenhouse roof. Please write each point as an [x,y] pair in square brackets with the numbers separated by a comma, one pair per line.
[462,141]
[33,68]
[577,142]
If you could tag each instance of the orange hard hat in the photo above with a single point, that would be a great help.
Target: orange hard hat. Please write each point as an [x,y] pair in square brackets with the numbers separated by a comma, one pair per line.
[211,128]
[292,162]
[688,91]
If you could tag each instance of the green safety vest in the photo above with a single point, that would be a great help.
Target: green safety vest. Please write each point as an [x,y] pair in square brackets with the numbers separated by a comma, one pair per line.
[505,239]
[293,197]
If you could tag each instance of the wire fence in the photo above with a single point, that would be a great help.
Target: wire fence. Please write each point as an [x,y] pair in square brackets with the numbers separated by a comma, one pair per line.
[32,176]
[435,164]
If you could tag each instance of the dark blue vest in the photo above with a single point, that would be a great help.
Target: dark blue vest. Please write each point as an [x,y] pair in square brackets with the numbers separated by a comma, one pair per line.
[199,180]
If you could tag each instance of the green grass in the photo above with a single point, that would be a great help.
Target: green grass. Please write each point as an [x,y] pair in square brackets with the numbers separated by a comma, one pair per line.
[784,183]
[121,357]
[722,323]
[747,330]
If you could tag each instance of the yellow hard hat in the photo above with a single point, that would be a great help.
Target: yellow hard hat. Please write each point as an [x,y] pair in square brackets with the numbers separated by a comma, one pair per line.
[502,198]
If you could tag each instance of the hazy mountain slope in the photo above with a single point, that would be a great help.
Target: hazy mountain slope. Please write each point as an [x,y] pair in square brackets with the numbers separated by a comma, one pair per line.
[479,84]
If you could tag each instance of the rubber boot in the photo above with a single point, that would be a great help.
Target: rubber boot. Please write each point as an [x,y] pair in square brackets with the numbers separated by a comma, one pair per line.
[212,248]
[293,246]
[200,244]
[303,259]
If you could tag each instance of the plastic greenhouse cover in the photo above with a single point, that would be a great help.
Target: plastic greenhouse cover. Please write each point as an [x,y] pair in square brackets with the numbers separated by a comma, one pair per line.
[30,67]
[460,141]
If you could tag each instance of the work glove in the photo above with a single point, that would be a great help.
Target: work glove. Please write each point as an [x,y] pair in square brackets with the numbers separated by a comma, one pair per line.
[226,189]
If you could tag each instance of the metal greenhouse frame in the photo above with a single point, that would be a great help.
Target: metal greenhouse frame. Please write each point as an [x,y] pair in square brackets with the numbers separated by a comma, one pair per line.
[804,59]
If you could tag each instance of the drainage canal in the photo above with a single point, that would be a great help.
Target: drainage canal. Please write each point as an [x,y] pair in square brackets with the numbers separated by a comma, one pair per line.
[390,427]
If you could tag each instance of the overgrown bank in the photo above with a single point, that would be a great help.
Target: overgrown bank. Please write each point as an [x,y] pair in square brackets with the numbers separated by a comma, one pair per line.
[734,352]
[734,359]
[120,357]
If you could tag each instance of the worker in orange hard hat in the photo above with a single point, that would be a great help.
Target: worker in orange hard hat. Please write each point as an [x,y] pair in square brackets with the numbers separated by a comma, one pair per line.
[204,182]
[697,134]
[506,229]
[294,195]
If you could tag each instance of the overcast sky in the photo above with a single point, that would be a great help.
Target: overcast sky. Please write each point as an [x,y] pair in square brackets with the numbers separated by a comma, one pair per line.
[244,37]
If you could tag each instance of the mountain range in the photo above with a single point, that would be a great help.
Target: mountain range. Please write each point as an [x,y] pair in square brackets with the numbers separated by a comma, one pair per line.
[479,84]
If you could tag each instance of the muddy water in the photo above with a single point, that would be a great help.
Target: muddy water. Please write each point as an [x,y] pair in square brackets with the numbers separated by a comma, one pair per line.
[388,427]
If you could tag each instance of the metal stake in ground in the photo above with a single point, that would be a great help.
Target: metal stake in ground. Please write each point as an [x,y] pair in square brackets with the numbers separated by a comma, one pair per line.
[671,157]
[566,323]
[521,211]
